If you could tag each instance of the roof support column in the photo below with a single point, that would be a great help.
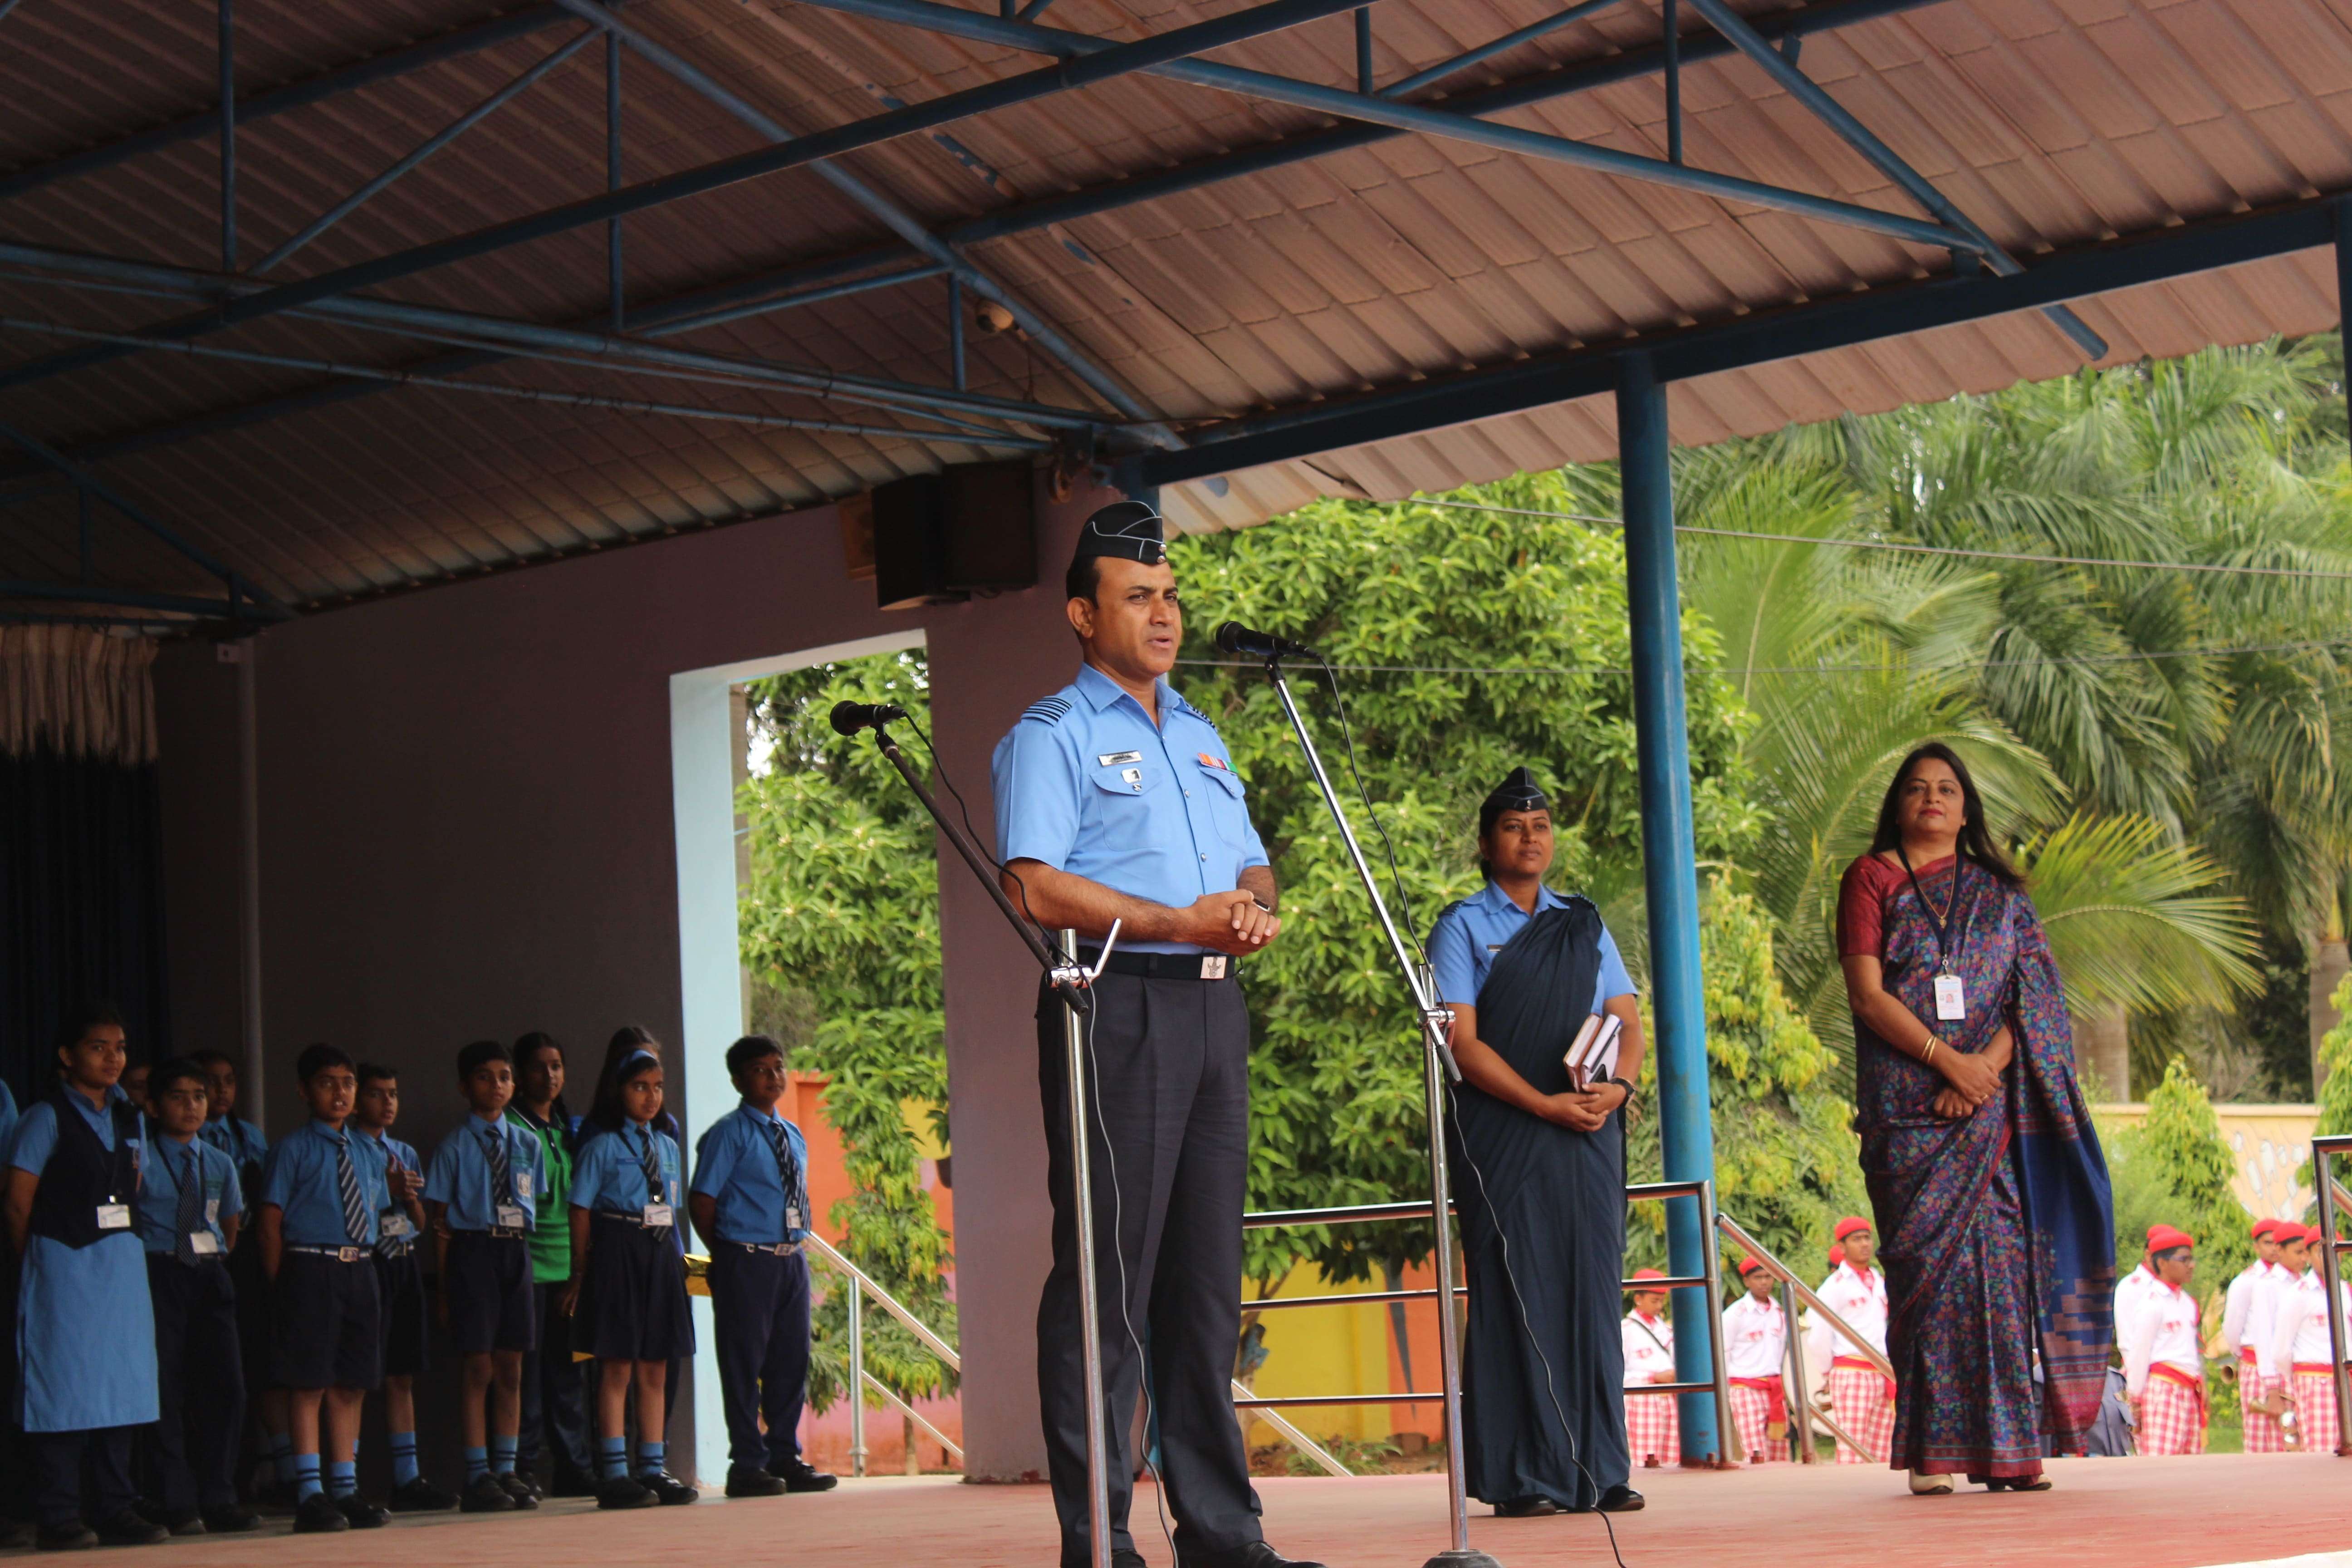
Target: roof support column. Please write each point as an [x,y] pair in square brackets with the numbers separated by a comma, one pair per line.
[1670,871]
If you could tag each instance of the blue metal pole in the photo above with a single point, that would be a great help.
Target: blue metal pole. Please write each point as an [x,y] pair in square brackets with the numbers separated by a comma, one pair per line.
[1670,871]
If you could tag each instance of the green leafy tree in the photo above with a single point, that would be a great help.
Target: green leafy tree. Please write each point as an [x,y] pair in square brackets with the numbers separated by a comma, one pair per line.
[2181,1142]
[840,927]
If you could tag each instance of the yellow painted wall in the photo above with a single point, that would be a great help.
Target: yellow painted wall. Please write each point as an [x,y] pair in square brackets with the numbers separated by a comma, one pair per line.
[1324,1350]
[2269,1144]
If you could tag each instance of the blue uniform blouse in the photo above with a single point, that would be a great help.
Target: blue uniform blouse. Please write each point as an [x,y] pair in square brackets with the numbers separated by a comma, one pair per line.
[735,1164]
[166,1171]
[302,1183]
[611,1177]
[1085,782]
[1463,944]
[460,1172]
[37,1132]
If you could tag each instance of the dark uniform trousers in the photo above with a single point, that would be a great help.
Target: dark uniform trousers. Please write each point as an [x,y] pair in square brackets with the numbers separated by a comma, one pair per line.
[1169,1114]
[200,1386]
[760,1315]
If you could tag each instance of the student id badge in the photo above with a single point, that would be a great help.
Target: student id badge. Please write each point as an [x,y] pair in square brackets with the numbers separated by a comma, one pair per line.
[511,1217]
[212,1211]
[393,1225]
[657,1215]
[114,1216]
[204,1243]
[1951,999]
[522,1184]
[792,1217]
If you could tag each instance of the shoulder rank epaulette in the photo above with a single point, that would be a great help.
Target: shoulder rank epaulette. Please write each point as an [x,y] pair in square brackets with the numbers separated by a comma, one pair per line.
[1184,706]
[1048,711]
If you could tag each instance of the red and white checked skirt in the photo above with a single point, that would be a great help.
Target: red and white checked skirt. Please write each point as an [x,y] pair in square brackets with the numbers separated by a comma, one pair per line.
[2171,1418]
[2314,1408]
[1751,1412]
[1860,1402]
[2263,1432]
[1652,1429]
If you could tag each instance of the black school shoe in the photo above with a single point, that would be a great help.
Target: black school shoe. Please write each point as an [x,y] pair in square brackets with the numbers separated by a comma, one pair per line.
[421,1495]
[800,1476]
[484,1495]
[668,1490]
[362,1514]
[233,1519]
[624,1492]
[1620,1498]
[1257,1554]
[317,1515]
[131,1528]
[518,1487]
[191,1522]
[743,1481]
[73,1536]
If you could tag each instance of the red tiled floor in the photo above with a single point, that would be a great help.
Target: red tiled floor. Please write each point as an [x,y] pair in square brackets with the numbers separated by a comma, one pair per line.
[2146,1513]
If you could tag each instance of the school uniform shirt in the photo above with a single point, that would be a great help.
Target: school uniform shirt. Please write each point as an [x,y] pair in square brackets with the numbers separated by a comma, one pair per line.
[2162,1329]
[241,1139]
[1085,782]
[611,1176]
[460,1175]
[1859,1297]
[85,1328]
[393,1224]
[165,1173]
[8,1118]
[2299,1328]
[2241,1330]
[1755,1337]
[735,1164]
[1649,1345]
[2273,1300]
[1467,936]
[550,1243]
[302,1182]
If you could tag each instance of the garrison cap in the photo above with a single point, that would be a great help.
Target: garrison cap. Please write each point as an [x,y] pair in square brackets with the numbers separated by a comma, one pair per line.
[1131,530]
[1519,792]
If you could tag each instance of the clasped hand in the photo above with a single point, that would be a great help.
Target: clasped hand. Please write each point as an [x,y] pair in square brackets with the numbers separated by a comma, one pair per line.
[1233,921]
[1584,1110]
[1971,1079]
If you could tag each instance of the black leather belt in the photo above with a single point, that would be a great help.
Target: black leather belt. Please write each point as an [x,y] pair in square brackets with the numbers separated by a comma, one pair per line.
[635,1219]
[765,1248]
[1167,965]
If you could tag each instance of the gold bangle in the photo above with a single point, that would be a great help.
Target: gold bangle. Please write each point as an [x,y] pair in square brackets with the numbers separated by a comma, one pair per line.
[1930,1055]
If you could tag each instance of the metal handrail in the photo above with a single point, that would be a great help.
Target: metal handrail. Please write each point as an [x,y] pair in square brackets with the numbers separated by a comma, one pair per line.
[2331,1245]
[1756,1249]
[890,1397]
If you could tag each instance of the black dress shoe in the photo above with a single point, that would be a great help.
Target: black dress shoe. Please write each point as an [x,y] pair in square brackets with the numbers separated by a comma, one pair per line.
[1525,1507]
[1620,1498]
[317,1515]
[362,1513]
[15,1533]
[421,1495]
[743,1481]
[484,1495]
[519,1486]
[73,1536]
[800,1476]
[667,1489]
[1126,1557]
[623,1492]
[188,1521]
[1257,1554]
[231,1518]
[131,1528]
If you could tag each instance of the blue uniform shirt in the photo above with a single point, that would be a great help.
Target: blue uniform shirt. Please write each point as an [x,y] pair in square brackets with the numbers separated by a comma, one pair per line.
[37,1132]
[611,1177]
[241,1139]
[1463,944]
[735,1163]
[301,1182]
[1086,783]
[460,1172]
[165,1171]
[8,1118]
[394,1222]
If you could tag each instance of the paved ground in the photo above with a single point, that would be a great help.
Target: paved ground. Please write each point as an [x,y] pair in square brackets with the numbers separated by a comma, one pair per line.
[2145,1513]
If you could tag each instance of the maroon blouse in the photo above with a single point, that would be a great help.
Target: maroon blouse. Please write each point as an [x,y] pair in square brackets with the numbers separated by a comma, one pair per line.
[1869,885]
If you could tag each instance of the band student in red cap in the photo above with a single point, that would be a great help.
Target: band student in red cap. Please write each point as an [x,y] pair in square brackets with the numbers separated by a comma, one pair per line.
[2245,1325]
[2299,1339]
[1860,1398]
[1652,1432]
[2164,1366]
[1754,1341]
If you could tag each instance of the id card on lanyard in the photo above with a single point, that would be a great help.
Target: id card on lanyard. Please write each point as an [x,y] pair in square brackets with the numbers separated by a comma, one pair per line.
[1951,991]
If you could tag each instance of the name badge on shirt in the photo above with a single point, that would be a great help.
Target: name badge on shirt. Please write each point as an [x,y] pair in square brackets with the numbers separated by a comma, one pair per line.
[522,1184]
[656,1214]
[114,1216]
[792,1218]
[212,1211]
[1951,999]
[511,1217]
[1113,759]
[204,1243]
[1131,775]
[393,1225]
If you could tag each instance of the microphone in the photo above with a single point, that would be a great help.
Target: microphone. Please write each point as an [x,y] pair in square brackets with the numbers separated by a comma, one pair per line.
[1234,637]
[848,718]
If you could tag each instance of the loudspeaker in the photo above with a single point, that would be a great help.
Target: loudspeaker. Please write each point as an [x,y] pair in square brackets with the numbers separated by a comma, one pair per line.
[939,538]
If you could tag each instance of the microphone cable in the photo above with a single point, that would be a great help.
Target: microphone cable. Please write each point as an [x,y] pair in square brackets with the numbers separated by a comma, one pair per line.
[1396,877]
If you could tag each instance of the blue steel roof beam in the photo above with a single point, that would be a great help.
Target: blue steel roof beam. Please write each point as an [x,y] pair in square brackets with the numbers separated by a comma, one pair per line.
[82,477]
[1108,64]
[93,594]
[459,41]
[1884,158]
[900,221]
[914,274]
[1078,49]
[1484,52]
[418,154]
[1761,337]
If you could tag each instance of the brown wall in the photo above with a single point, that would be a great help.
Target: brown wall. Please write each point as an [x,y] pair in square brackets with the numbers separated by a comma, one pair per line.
[466,831]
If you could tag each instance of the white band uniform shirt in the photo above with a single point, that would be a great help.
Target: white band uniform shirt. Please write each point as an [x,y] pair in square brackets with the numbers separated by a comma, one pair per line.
[1860,1399]
[1652,1427]
[1085,782]
[1755,1347]
[2253,1297]
[2164,1369]
[2300,1351]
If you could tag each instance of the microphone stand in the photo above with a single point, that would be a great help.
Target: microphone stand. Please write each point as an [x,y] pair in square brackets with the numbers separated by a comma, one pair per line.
[1438,1069]
[1073,981]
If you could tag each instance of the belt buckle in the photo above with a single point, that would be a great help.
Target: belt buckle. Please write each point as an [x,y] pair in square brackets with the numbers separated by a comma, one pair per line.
[348,1254]
[1213,966]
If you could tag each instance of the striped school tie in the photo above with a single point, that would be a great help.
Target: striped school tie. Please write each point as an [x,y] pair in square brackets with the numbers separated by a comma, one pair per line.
[192,1206]
[389,1245]
[494,1144]
[657,1191]
[347,1182]
[788,1171]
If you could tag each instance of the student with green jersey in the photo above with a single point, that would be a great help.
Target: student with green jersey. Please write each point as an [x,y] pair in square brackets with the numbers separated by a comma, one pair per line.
[554,1407]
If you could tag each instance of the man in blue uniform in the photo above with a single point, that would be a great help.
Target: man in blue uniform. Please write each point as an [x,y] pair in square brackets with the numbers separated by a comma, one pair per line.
[1116,801]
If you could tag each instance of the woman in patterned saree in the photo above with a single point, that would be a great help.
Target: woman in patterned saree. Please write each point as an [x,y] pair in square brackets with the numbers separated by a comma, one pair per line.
[1994,1219]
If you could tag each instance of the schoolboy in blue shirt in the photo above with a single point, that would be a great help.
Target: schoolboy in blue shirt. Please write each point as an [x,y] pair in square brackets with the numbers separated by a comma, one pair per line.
[189,1211]
[750,1201]
[482,1192]
[400,1283]
[319,1199]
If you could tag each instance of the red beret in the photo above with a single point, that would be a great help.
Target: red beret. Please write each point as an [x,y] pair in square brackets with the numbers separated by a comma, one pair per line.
[2289,1231]
[1851,1224]
[2165,1238]
[1837,1256]
[2263,1227]
[1647,1274]
[1750,1265]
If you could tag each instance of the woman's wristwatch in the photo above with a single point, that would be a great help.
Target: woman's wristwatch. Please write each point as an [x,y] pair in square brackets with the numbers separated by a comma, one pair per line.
[1628,1088]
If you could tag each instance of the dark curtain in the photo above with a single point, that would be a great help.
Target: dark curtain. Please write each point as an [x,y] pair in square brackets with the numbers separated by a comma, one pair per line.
[81,906]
